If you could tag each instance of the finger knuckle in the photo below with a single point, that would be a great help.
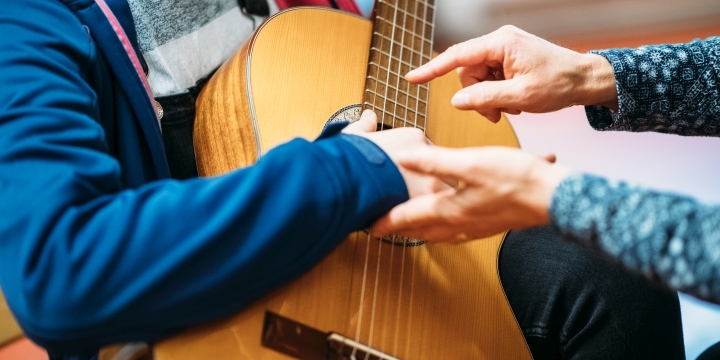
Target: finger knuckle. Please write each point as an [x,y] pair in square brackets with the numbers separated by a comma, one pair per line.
[510,29]
[414,134]
[480,98]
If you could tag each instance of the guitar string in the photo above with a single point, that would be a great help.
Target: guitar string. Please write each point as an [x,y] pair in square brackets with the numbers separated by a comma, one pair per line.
[373,104]
[370,104]
[405,240]
[422,58]
[405,123]
[349,307]
[362,297]
[399,65]
[377,274]
[424,127]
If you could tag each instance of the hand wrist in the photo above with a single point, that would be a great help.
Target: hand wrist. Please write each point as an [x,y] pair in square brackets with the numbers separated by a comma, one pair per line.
[547,180]
[599,87]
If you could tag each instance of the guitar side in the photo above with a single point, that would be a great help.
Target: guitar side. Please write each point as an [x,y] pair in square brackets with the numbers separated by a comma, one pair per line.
[432,301]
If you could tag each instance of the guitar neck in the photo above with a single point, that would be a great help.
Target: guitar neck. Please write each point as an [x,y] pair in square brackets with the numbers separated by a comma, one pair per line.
[402,40]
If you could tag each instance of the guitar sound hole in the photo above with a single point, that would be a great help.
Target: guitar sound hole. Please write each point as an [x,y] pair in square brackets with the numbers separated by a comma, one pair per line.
[399,240]
[403,241]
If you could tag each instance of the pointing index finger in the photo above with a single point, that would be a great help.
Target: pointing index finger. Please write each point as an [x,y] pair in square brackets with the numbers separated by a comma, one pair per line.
[468,53]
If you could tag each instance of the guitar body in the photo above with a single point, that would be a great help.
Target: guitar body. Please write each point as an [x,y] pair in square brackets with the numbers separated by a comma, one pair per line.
[430,301]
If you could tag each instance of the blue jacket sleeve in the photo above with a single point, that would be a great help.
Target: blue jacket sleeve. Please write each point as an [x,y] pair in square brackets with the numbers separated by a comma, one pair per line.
[85,262]
[664,88]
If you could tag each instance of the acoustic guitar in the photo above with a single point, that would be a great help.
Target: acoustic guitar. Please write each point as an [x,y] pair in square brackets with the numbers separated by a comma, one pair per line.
[371,298]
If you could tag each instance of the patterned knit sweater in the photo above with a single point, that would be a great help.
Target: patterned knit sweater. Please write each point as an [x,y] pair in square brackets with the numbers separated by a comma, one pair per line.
[668,238]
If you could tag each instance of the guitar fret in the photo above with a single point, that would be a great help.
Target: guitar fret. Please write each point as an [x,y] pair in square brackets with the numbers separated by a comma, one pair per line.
[380,67]
[385,2]
[425,22]
[409,47]
[407,59]
[392,57]
[419,109]
[427,19]
[405,123]
[424,56]
[402,92]
[404,109]
[422,91]
[401,40]
[402,47]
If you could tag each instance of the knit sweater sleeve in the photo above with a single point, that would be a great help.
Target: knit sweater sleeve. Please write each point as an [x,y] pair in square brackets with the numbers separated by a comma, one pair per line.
[668,238]
[665,88]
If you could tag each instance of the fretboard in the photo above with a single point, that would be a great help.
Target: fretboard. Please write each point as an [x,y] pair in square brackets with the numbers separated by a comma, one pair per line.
[402,40]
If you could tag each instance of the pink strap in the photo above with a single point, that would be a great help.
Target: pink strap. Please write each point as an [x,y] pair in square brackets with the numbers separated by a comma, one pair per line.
[127,45]
[347,5]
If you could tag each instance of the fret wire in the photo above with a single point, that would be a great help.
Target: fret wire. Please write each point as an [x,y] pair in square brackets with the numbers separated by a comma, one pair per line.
[404,29]
[413,24]
[390,49]
[384,67]
[390,114]
[422,86]
[426,57]
[422,51]
[404,93]
[406,107]
[412,36]
[380,67]
[397,89]
[372,105]
[425,22]
[431,6]
[406,47]
[390,22]
[397,78]
[407,110]
[400,91]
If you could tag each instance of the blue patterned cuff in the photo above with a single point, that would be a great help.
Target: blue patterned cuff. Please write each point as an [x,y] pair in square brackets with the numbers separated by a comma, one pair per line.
[600,117]
[664,88]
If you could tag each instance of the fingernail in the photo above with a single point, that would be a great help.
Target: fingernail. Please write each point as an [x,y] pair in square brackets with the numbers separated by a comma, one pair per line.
[461,99]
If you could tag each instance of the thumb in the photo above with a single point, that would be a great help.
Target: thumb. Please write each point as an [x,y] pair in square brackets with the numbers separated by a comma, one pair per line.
[367,123]
[490,95]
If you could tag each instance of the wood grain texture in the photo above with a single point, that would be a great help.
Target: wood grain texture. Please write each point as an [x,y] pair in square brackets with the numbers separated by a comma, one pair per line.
[303,70]
[224,134]
[425,302]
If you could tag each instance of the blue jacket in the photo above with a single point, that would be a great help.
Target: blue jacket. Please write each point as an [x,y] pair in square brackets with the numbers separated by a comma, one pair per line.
[97,244]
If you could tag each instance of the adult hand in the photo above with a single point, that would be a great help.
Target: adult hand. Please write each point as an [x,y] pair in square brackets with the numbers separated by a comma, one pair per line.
[501,189]
[397,141]
[510,70]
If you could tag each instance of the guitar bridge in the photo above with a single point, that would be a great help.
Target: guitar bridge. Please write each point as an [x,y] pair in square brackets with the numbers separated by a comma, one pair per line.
[303,342]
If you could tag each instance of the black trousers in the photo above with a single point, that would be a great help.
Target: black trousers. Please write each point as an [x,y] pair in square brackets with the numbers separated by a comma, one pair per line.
[573,304]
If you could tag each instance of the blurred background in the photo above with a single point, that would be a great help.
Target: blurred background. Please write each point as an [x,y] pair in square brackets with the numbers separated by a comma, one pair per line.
[667,162]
